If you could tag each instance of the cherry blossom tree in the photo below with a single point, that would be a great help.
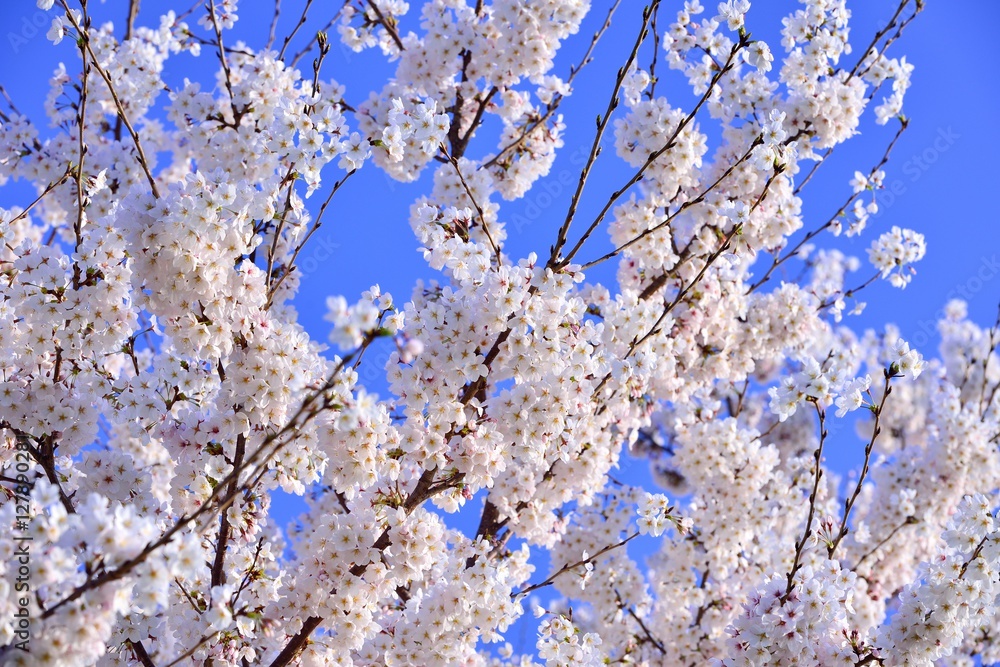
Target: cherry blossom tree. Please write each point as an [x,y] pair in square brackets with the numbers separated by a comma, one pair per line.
[158,393]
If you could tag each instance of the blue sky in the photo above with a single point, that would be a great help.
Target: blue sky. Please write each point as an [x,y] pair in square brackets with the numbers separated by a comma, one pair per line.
[941,181]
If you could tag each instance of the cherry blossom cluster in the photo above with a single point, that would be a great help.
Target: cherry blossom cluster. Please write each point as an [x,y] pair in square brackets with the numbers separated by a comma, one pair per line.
[802,623]
[956,591]
[893,253]
[560,644]
[155,375]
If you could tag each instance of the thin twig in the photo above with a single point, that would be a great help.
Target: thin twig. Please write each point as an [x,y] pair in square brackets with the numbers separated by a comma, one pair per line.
[303,415]
[289,36]
[49,188]
[910,520]
[708,263]
[81,147]
[602,124]
[479,209]
[227,73]
[85,38]
[312,230]
[812,171]
[188,653]
[651,93]
[851,292]
[308,47]
[572,566]
[222,538]
[983,409]
[557,99]
[801,544]
[883,32]
[423,491]
[272,31]
[683,207]
[133,13]
[779,260]
[653,156]
[876,430]
[631,612]
[276,235]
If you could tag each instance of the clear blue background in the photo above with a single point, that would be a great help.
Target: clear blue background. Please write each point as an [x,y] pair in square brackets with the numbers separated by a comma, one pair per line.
[944,167]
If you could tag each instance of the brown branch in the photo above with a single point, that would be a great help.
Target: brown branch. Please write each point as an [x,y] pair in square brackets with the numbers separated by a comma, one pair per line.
[708,263]
[133,13]
[910,520]
[272,31]
[188,653]
[816,165]
[227,73]
[683,207]
[44,455]
[800,544]
[140,654]
[884,31]
[649,635]
[572,566]
[463,141]
[389,26]
[221,542]
[975,554]
[312,230]
[290,35]
[421,492]
[281,222]
[297,643]
[778,261]
[49,188]
[984,408]
[851,292]
[306,412]
[651,93]
[308,47]
[82,149]
[455,128]
[85,38]
[479,209]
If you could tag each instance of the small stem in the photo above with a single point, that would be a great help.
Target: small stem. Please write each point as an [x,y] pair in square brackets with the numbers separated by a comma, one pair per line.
[479,209]
[302,22]
[572,566]
[801,544]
